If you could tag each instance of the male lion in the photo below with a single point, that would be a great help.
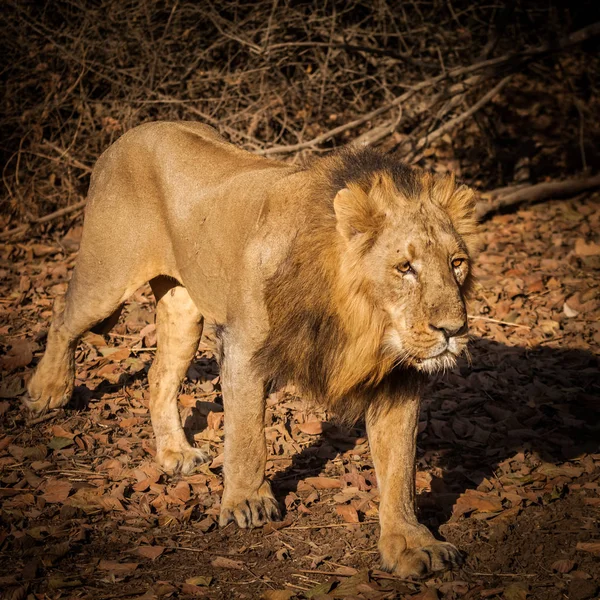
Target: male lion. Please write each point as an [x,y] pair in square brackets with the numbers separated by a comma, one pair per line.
[346,277]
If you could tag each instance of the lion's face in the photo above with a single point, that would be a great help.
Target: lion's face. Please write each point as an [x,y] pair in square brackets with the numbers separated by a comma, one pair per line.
[416,268]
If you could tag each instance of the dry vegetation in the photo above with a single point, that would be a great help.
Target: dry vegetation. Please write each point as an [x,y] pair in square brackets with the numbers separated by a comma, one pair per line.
[288,76]
[503,93]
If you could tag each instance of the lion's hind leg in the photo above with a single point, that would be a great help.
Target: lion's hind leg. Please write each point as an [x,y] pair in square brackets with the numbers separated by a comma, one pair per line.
[89,301]
[51,385]
[178,331]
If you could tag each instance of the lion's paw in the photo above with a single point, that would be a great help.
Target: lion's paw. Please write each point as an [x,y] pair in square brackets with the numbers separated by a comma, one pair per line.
[253,511]
[181,460]
[419,562]
[46,391]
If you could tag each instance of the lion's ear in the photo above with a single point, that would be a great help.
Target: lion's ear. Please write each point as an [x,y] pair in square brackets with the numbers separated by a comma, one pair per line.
[356,212]
[459,202]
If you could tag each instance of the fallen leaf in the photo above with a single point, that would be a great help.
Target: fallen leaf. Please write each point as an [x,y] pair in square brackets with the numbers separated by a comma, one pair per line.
[110,503]
[116,567]
[593,547]
[227,563]
[148,335]
[479,501]
[584,249]
[311,427]
[323,483]
[564,565]
[151,552]
[58,443]
[20,355]
[56,490]
[569,312]
[277,595]
[201,580]
[428,594]
[346,571]
[181,491]
[347,512]
[319,590]
[214,420]
[516,591]
[423,481]
[491,592]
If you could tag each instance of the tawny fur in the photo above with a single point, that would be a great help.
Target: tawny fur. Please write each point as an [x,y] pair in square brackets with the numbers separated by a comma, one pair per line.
[347,277]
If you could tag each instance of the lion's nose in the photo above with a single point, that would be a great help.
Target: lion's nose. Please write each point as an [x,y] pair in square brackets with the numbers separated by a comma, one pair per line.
[450,327]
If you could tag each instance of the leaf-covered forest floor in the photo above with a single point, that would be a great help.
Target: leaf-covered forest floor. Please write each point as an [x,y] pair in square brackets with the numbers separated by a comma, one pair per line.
[508,466]
[509,446]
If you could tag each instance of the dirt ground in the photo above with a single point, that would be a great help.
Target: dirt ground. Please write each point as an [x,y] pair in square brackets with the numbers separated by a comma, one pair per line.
[502,94]
[508,467]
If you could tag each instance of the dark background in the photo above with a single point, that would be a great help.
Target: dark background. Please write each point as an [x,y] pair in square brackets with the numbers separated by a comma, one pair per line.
[505,94]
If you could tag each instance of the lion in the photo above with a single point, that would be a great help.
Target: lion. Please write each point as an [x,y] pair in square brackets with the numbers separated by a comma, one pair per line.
[346,276]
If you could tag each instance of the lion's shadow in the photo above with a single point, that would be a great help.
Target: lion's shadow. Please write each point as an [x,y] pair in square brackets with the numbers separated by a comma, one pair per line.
[508,399]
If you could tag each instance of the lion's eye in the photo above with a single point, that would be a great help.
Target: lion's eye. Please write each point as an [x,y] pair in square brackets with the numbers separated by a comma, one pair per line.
[457,262]
[405,268]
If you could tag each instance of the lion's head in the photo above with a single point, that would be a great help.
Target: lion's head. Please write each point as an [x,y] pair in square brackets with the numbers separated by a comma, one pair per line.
[376,279]
[408,249]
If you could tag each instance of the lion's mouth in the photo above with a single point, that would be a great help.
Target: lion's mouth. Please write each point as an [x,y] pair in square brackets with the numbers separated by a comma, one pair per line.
[442,356]
[440,362]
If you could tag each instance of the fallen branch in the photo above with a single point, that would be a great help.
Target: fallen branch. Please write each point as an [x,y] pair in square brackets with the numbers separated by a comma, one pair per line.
[61,212]
[65,154]
[534,193]
[577,37]
[455,122]
[397,56]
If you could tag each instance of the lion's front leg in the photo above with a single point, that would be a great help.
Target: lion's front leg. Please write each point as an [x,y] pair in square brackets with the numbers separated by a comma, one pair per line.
[247,498]
[407,548]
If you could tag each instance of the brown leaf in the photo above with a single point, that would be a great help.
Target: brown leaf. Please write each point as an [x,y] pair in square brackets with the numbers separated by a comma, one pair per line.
[130,422]
[214,420]
[201,580]
[311,427]
[181,491]
[491,592]
[277,595]
[59,431]
[119,354]
[57,490]
[564,565]
[569,312]
[560,470]
[227,563]
[593,547]
[20,355]
[116,567]
[347,512]
[515,591]
[148,334]
[191,590]
[423,481]
[151,552]
[187,400]
[110,503]
[479,501]
[323,483]
[583,249]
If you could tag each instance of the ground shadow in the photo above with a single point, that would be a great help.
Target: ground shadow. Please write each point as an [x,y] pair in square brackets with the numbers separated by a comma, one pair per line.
[505,400]
[508,399]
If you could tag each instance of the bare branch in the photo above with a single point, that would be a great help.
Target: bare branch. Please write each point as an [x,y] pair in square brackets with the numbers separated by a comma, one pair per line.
[533,193]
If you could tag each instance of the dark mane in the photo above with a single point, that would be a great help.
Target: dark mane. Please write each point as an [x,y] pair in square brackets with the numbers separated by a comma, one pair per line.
[359,165]
[309,343]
